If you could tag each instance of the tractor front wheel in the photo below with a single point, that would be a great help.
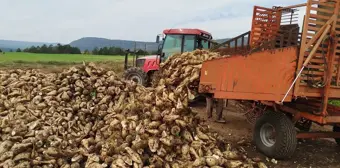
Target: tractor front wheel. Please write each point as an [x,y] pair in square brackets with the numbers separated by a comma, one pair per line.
[137,75]
[275,135]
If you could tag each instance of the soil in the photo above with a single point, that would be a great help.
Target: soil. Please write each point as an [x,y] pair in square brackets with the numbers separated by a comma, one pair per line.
[309,153]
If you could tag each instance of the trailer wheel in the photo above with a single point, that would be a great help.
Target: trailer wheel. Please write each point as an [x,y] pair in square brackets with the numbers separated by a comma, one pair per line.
[137,75]
[336,129]
[275,135]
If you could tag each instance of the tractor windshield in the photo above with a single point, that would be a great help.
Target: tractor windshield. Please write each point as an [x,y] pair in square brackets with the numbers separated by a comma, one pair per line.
[172,45]
[178,43]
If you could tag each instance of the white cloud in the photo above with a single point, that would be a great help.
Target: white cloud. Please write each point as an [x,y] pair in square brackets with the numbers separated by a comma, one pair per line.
[68,20]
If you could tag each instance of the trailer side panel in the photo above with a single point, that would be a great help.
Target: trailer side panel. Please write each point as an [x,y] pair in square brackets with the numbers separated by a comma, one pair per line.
[264,75]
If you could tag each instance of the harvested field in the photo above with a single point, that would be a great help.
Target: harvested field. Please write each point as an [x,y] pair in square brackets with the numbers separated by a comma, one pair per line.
[88,117]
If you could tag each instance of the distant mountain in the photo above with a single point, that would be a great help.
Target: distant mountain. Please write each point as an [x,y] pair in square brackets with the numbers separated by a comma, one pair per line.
[6,49]
[90,43]
[11,44]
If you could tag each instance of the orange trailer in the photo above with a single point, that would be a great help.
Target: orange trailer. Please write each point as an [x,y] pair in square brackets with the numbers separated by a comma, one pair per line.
[288,76]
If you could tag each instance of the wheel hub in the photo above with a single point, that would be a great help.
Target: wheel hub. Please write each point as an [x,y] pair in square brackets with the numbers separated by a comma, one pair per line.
[267,134]
[136,79]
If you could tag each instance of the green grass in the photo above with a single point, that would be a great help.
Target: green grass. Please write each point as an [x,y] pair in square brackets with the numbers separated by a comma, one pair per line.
[58,62]
[334,102]
[14,57]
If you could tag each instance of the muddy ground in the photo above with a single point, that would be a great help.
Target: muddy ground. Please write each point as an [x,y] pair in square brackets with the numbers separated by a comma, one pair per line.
[323,153]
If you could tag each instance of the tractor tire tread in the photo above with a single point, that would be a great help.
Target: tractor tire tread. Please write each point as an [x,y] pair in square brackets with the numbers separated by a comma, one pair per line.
[286,143]
[138,71]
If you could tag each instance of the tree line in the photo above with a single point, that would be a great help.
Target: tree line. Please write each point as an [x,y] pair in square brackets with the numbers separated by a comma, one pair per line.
[58,49]
[67,49]
[113,51]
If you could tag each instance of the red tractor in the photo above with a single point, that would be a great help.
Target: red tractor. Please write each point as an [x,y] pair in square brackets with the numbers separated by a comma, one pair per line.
[175,41]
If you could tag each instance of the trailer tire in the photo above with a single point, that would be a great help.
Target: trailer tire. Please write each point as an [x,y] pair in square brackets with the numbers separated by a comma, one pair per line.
[336,129]
[136,74]
[283,144]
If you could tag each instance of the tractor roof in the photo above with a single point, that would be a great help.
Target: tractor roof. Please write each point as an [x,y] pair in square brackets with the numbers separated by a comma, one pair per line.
[185,31]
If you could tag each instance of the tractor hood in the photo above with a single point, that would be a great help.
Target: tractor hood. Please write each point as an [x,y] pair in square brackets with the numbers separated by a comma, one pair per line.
[148,57]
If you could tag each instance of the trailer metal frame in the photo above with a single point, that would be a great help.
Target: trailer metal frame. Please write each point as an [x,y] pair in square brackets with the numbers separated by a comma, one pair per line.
[287,71]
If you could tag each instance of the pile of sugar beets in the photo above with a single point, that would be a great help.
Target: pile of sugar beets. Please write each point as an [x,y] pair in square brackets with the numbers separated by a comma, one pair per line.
[89,117]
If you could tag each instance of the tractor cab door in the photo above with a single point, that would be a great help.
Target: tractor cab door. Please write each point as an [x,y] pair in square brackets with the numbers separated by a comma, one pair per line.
[172,45]
[189,43]
[202,43]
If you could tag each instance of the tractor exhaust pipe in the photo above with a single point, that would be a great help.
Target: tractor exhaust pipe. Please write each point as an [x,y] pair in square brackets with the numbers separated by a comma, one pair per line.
[126,59]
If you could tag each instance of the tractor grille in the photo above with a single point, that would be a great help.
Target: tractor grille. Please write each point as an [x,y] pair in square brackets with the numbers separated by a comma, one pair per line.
[140,62]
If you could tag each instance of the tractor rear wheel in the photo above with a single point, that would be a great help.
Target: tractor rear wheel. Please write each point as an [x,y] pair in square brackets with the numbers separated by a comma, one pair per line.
[137,75]
[275,135]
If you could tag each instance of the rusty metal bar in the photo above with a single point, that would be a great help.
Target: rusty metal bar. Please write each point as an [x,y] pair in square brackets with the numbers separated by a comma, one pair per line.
[230,40]
[285,17]
[289,37]
[332,119]
[303,4]
[281,42]
[289,21]
[306,135]
[331,54]
[338,74]
[303,43]
[316,45]
[291,18]
[293,6]
[307,60]
[235,44]
[318,34]
[296,118]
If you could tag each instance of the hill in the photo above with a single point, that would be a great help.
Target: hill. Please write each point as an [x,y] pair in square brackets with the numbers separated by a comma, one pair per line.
[6,49]
[7,45]
[90,43]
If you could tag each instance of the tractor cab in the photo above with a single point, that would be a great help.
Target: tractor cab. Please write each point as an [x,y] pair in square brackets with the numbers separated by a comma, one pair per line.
[173,41]
[183,40]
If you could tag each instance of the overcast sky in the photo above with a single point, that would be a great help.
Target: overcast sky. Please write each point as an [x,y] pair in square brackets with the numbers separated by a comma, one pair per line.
[67,20]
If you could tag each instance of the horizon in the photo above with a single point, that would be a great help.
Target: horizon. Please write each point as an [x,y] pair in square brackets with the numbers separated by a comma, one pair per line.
[88,37]
[65,21]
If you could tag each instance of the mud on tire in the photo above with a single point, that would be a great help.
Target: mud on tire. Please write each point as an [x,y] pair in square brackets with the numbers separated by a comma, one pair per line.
[281,144]
[136,74]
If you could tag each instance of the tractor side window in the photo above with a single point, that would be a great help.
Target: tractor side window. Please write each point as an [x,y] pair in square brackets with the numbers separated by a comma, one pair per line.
[202,43]
[189,43]
[172,45]
[205,44]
